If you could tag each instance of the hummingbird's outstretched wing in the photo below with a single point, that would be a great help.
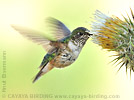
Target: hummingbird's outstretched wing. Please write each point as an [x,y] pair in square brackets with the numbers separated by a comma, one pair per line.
[35,36]
[58,28]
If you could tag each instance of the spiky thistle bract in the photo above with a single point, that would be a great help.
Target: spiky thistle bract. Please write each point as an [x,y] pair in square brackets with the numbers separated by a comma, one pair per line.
[117,35]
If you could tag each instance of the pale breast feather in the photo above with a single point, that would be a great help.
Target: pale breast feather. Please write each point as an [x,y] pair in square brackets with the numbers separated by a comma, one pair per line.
[74,48]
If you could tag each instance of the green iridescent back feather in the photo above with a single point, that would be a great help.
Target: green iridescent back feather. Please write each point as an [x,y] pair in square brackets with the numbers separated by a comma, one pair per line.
[47,58]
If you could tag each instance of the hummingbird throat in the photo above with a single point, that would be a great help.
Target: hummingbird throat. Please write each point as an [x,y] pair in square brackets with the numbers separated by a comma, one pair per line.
[80,42]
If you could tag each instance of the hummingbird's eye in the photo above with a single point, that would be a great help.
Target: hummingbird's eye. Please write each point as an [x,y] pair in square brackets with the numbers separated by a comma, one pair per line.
[80,33]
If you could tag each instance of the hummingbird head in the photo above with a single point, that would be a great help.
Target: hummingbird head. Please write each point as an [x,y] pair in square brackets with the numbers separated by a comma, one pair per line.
[80,35]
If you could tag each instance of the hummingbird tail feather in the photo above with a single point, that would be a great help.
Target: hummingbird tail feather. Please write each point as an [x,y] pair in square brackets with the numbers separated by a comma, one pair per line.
[43,70]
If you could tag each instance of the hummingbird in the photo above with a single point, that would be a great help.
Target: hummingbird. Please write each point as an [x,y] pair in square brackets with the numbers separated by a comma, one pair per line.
[62,51]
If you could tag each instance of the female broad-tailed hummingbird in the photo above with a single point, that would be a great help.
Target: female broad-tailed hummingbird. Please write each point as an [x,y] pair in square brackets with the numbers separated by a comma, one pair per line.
[60,52]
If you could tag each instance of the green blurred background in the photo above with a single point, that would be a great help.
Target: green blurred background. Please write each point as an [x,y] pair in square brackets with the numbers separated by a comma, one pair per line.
[89,75]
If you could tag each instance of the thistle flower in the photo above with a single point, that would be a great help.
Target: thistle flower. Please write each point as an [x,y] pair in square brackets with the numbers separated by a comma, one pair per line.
[117,35]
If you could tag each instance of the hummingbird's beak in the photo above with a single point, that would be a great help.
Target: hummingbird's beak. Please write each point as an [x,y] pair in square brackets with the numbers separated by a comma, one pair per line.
[87,31]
